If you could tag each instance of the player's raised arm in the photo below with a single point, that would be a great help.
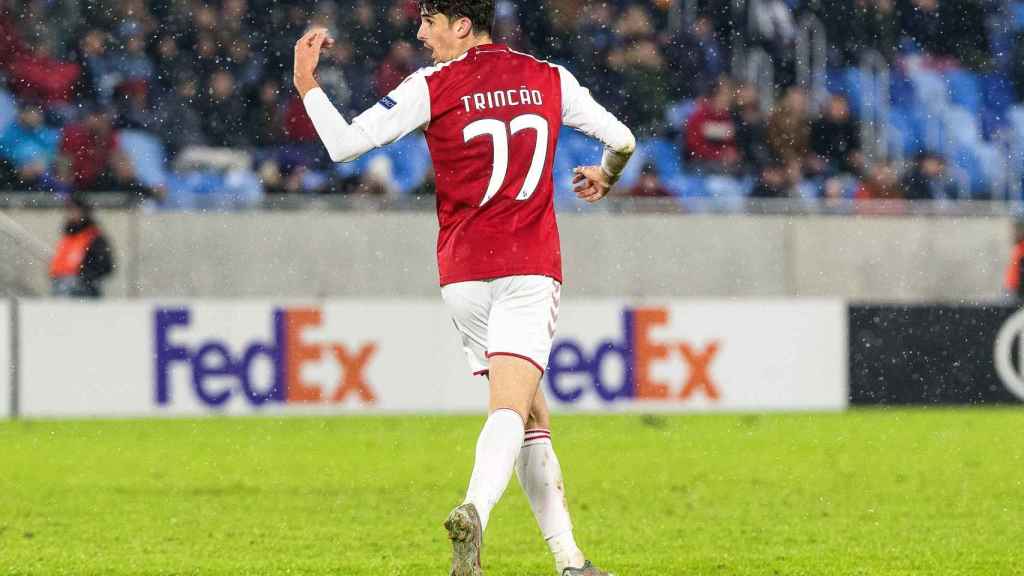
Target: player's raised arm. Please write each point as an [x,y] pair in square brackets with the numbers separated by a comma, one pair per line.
[582,112]
[403,110]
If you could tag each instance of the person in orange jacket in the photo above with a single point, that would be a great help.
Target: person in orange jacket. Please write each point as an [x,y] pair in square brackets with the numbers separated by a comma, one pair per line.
[83,256]
[1012,278]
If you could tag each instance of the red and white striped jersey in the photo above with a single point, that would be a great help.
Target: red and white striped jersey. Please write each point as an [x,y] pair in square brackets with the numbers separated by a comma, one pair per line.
[491,119]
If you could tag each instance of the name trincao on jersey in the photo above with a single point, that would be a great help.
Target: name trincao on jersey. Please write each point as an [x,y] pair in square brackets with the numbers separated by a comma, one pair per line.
[501,98]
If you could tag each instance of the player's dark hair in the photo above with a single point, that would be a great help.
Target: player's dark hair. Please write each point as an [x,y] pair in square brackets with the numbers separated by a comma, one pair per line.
[479,12]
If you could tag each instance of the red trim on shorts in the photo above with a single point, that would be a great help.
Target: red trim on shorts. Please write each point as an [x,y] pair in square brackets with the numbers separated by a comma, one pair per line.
[520,356]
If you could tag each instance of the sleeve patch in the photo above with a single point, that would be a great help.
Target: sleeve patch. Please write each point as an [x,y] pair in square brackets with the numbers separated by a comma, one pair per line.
[387,102]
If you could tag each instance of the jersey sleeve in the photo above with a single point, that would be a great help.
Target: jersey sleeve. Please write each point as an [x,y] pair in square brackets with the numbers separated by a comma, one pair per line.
[404,109]
[582,112]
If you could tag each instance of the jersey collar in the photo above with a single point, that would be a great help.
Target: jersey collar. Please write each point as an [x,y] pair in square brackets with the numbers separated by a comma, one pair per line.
[488,48]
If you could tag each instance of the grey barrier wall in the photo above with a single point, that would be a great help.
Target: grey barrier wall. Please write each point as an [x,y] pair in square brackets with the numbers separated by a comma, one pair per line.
[305,254]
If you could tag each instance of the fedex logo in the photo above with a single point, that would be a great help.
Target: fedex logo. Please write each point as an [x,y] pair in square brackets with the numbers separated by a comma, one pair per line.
[218,373]
[572,370]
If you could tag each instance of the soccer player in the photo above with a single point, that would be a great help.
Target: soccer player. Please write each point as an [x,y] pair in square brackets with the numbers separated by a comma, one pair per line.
[491,118]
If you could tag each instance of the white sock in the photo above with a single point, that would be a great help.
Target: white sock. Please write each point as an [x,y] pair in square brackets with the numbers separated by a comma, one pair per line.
[496,451]
[541,477]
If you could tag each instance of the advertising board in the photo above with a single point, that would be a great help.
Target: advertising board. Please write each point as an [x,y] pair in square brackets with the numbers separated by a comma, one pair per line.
[145,358]
[125,359]
[700,355]
[936,354]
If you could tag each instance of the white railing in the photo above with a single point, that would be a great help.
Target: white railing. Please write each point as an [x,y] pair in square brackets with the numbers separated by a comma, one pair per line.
[759,71]
[812,58]
[738,42]
[1008,186]
[875,105]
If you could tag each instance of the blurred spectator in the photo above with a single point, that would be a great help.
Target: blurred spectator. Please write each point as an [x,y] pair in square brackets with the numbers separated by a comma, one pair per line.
[224,112]
[206,58]
[772,26]
[132,17]
[131,103]
[591,46]
[170,62]
[31,148]
[854,26]
[772,182]
[922,21]
[1012,278]
[244,65]
[83,256]
[1016,66]
[177,115]
[695,59]
[238,20]
[131,62]
[640,72]
[929,180]
[402,17]
[648,185]
[506,25]
[349,82]
[550,26]
[263,121]
[751,129]
[364,30]
[789,132]
[35,73]
[99,72]
[835,139]
[880,183]
[711,132]
[874,26]
[399,63]
[90,160]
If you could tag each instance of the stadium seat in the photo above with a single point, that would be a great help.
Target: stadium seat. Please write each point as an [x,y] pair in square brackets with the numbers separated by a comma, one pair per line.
[929,88]
[1016,117]
[146,153]
[667,158]
[965,90]
[905,132]
[8,110]
[901,90]
[1017,9]
[997,92]
[562,169]
[966,159]
[691,186]
[726,190]
[185,189]
[208,190]
[963,127]
[583,150]
[410,162]
[677,114]
[992,160]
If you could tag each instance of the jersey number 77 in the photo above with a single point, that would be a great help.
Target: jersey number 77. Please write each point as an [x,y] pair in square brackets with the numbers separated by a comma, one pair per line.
[500,134]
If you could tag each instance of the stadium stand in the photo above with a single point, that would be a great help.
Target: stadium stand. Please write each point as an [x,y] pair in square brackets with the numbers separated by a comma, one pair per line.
[211,81]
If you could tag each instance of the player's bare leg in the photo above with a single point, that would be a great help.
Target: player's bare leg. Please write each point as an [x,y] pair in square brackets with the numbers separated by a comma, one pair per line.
[540,474]
[513,383]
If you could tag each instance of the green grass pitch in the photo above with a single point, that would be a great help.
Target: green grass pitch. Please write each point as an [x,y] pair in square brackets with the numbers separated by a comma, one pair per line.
[887,492]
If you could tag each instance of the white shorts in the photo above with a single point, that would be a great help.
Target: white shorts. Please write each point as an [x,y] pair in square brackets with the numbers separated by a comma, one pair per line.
[512,316]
